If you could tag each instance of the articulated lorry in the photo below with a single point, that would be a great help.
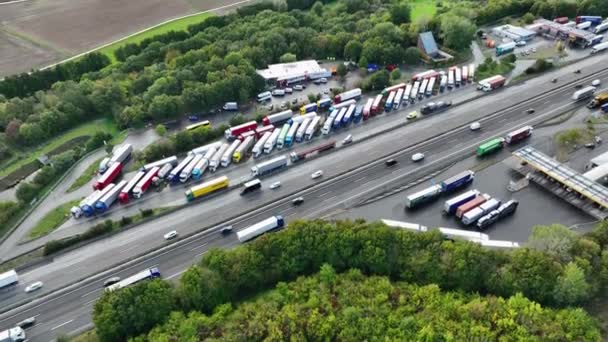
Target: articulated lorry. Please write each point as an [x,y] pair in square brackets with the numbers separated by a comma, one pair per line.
[233,132]
[119,156]
[104,203]
[475,214]
[584,93]
[170,160]
[173,176]
[8,278]
[491,83]
[162,173]
[518,135]
[251,232]
[203,164]
[311,152]
[272,141]
[187,170]
[109,176]
[452,204]
[144,183]
[270,166]
[457,181]
[215,161]
[207,188]
[123,197]
[348,95]
[598,100]
[15,334]
[258,148]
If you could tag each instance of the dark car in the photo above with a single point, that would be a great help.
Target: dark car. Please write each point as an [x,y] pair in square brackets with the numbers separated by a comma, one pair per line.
[297,201]
[578,86]
[530,111]
[226,230]
[390,162]
[590,145]
[26,323]
[193,118]
[111,281]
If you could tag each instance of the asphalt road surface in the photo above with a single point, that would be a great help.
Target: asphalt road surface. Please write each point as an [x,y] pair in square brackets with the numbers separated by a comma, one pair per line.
[63,312]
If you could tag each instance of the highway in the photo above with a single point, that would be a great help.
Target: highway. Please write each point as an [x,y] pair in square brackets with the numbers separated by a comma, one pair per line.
[67,312]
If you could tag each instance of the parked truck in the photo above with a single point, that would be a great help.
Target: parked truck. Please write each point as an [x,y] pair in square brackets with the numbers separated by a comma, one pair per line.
[348,95]
[15,334]
[260,131]
[123,197]
[277,118]
[311,152]
[272,141]
[599,47]
[476,213]
[214,162]
[505,48]
[342,104]
[251,232]
[312,128]
[598,100]
[503,211]
[186,172]
[173,176]
[308,108]
[109,176]
[203,149]
[367,109]
[106,201]
[518,135]
[491,83]
[121,154]
[162,173]
[103,165]
[593,19]
[88,207]
[8,278]
[324,104]
[227,156]
[282,135]
[457,181]
[425,75]
[203,164]
[584,93]
[470,205]
[291,134]
[169,160]
[233,132]
[207,188]
[302,130]
[452,204]
[230,106]
[145,182]
[269,166]
[393,88]
[376,106]
[243,150]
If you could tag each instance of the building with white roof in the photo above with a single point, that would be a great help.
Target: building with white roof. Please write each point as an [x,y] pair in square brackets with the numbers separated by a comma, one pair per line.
[284,74]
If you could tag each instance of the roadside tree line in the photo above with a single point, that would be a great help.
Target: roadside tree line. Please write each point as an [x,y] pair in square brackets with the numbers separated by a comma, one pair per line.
[560,268]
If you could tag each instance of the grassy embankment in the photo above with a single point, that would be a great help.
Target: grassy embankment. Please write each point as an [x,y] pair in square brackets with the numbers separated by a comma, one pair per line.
[52,220]
[86,176]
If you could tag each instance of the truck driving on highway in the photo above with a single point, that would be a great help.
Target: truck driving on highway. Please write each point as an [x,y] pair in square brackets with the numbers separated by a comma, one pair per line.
[269,166]
[251,232]
[251,186]
[491,83]
[207,188]
[598,100]
[8,278]
[583,93]
[15,334]
[311,152]
[518,135]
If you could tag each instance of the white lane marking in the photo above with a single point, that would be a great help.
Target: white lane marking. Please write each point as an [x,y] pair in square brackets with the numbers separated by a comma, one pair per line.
[62,324]
[128,249]
[325,193]
[199,254]
[12,2]
[90,302]
[176,274]
[88,293]
[199,246]
[359,179]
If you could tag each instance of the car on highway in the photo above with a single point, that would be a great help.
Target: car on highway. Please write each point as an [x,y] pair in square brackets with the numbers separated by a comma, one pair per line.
[33,287]
[590,145]
[554,80]
[416,157]
[226,230]
[577,71]
[596,83]
[297,201]
[530,111]
[26,323]
[390,162]
[170,235]
[347,140]
[578,86]
[475,126]
[317,174]
[533,50]
[111,281]
[275,185]
[412,115]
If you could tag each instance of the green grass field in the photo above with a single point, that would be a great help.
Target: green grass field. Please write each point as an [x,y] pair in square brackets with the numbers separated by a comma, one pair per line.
[176,25]
[423,8]
[52,220]
[86,176]
[89,129]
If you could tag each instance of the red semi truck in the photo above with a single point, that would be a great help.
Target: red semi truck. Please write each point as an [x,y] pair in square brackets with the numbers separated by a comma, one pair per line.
[311,152]
[145,182]
[235,131]
[518,135]
[108,177]
[123,197]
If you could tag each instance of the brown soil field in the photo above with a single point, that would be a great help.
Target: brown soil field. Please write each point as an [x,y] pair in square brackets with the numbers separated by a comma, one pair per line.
[36,33]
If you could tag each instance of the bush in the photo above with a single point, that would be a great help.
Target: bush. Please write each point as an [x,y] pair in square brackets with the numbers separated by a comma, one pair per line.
[541,65]
[125,221]
[97,141]
[55,246]
[26,192]
[8,209]
[146,212]
[98,230]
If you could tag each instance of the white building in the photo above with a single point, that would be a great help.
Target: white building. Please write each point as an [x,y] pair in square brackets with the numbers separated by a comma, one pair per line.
[287,73]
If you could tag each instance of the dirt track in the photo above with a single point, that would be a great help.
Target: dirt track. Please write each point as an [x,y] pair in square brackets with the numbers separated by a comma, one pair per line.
[36,33]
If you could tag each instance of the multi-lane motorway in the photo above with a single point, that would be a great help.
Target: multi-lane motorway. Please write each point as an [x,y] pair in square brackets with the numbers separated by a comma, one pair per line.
[70,311]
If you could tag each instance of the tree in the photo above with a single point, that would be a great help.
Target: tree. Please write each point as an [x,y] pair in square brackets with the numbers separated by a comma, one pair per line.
[572,287]
[161,130]
[26,192]
[288,58]
[457,32]
[412,55]
[164,107]
[237,120]
[379,80]
[395,74]
[528,18]
[352,50]
[400,13]
[555,240]
[131,311]
[342,71]
[317,8]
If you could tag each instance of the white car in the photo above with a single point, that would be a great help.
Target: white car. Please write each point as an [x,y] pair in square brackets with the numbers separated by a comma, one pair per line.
[596,83]
[348,139]
[170,235]
[475,126]
[317,174]
[298,87]
[33,287]
[417,157]
[275,185]
[521,43]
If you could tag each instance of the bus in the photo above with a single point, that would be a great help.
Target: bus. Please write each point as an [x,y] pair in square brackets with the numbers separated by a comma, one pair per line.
[251,186]
[205,123]
[423,196]
[265,96]
[150,273]
[490,146]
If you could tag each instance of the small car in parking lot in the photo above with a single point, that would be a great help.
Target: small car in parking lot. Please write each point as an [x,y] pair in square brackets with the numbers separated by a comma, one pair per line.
[297,201]
[390,162]
[521,43]
[170,235]
[417,157]
[288,90]
[298,87]
[226,230]
[111,281]
[33,287]
[316,174]
[26,323]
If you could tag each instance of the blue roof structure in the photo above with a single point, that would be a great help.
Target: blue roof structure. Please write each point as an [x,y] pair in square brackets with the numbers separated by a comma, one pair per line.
[428,43]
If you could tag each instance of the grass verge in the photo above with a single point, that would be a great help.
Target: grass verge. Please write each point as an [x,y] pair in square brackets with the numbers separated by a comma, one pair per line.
[88,336]
[21,260]
[86,176]
[175,25]
[52,220]
[88,129]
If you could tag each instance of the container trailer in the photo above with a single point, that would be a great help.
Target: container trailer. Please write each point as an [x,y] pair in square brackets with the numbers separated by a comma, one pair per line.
[215,161]
[203,149]
[348,95]
[518,135]
[470,205]
[109,176]
[171,160]
[173,176]
[452,204]
[599,47]
[312,152]
[376,106]
[311,107]
[269,166]
[398,98]
[323,104]
[272,141]
[123,197]
[282,136]
[457,181]
[422,89]
[207,188]
[251,232]
[396,87]
[145,182]
[490,147]
[302,130]
[491,83]
[184,176]
[430,86]
[162,173]
[291,135]
[8,278]
[227,156]
[367,109]
[243,150]
[233,132]
[343,104]
[423,196]
[278,118]
[388,105]
[110,197]
[258,148]
[583,93]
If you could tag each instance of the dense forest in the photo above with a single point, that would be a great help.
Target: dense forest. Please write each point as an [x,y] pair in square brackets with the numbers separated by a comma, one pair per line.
[168,75]
[558,268]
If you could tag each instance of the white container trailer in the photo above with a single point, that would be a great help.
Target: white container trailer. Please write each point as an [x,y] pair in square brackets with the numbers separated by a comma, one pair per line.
[302,130]
[291,134]
[214,162]
[8,278]
[465,74]
[407,92]
[251,232]
[457,77]
[272,141]
[443,83]
[258,148]
[121,154]
[239,154]
[159,163]
[398,98]
[110,197]
[599,47]
[227,156]
[175,173]
[414,93]
[327,126]
[450,78]
[429,88]
[187,171]
[471,72]
[423,86]
[312,128]
[203,149]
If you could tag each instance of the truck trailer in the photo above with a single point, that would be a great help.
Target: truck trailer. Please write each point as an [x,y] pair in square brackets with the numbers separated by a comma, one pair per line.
[214,162]
[472,204]
[121,154]
[243,150]
[491,83]
[227,156]
[282,135]
[258,148]
[109,176]
[452,204]
[251,232]
[269,166]
[272,141]
[583,93]
[173,176]
[312,128]
[123,197]
[393,88]
[16,334]
[343,104]
[207,188]
[367,109]
[88,208]
[599,47]
[302,130]
[598,100]
[233,132]
[291,135]
[518,135]
[457,181]
[505,48]
[203,164]
[171,160]
[203,149]
[348,95]
[8,278]
[145,182]
[187,170]
[311,152]
[104,203]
